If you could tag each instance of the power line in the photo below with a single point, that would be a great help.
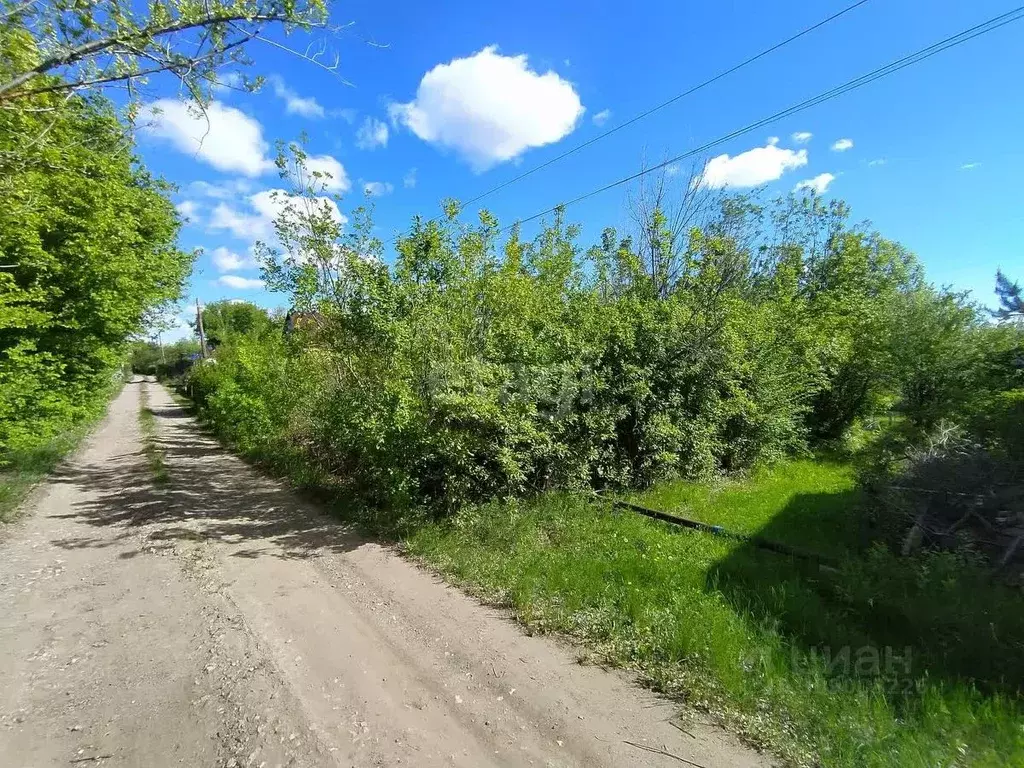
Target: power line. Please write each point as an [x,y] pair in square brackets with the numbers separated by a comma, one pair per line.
[652,110]
[883,71]
[664,104]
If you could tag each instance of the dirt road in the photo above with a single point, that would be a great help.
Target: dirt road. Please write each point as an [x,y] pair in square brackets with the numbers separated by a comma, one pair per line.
[217,620]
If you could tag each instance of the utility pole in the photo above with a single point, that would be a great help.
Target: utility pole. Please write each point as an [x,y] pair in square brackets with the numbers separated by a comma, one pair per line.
[199,327]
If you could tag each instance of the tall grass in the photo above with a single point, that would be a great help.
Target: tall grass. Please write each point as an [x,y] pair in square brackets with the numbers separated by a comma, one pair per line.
[934,662]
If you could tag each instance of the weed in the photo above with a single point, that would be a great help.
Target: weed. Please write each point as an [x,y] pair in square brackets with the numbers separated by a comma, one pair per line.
[150,447]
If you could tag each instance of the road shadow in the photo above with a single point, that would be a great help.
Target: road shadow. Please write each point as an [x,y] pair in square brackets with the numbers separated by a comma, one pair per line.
[210,495]
[873,614]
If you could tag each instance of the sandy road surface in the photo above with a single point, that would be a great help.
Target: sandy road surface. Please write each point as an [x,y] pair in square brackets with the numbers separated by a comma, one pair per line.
[220,621]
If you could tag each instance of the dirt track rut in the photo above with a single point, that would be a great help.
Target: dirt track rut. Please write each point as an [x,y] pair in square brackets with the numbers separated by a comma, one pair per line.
[218,620]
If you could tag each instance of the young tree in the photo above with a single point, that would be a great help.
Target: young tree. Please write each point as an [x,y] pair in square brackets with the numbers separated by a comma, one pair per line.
[225,320]
[1011,299]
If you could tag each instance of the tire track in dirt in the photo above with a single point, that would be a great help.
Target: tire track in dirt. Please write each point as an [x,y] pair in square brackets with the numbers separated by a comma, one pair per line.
[275,635]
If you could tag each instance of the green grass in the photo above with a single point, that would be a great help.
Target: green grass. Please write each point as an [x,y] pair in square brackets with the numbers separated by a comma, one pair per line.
[816,495]
[21,470]
[154,456]
[744,633]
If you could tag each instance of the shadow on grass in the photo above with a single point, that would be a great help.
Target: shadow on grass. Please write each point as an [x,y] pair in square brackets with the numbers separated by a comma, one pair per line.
[209,495]
[877,615]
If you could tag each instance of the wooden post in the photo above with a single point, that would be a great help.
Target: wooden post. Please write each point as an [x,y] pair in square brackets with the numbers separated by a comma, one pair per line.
[199,327]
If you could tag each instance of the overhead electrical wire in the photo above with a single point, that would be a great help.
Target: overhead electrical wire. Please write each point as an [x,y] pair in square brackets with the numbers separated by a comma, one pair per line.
[895,66]
[662,105]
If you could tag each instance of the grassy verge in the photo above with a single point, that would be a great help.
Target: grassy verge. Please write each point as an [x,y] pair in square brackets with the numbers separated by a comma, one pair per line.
[879,662]
[154,456]
[22,470]
[883,662]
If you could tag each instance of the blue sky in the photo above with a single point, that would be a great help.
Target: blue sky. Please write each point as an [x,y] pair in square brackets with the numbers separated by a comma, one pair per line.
[448,106]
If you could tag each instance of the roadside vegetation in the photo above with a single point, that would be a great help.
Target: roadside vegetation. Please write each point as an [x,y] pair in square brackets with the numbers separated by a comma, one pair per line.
[150,447]
[768,367]
[88,238]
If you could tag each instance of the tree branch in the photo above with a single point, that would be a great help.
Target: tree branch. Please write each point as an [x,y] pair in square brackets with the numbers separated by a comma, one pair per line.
[9,90]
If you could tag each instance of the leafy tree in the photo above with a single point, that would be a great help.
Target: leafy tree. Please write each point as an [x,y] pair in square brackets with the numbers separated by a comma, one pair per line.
[94,44]
[1011,300]
[87,238]
[227,319]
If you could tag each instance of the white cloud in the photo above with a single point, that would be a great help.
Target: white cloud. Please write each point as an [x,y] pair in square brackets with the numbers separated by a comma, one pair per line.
[409,180]
[295,104]
[189,209]
[228,261]
[879,161]
[842,145]
[270,203]
[224,190]
[257,221]
[602,117]
[228,81]
[751,168]
[240,283]
[490,108]
[969,166]
[802,137]
[673,169]
[378,188]
[347,114]
[818,184]
[244,226]
[225,137]
[334,178]
[372,134]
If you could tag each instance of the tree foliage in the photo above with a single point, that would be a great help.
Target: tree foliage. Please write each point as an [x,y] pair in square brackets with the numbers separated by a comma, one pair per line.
[94,44]
[1011,299]
[227,320]
[87,240]
[477,366]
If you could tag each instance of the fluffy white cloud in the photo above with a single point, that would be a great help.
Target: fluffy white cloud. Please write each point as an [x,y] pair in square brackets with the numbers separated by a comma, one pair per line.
[295,104]
[228,261]
[189,209]
[225,137]
[372,134]
[224,190]
[346,114]
[802,137]
[818,184]
[271,202]
[257,221]
[409,180]
[602,117]
[378,188]
[842,145]
[490,108]
[244,226]
[333,177]
[240,283]
[969,166]
[879,161]
[751,168]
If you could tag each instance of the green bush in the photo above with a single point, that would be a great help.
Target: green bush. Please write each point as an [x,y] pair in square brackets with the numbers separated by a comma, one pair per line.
[474,369]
